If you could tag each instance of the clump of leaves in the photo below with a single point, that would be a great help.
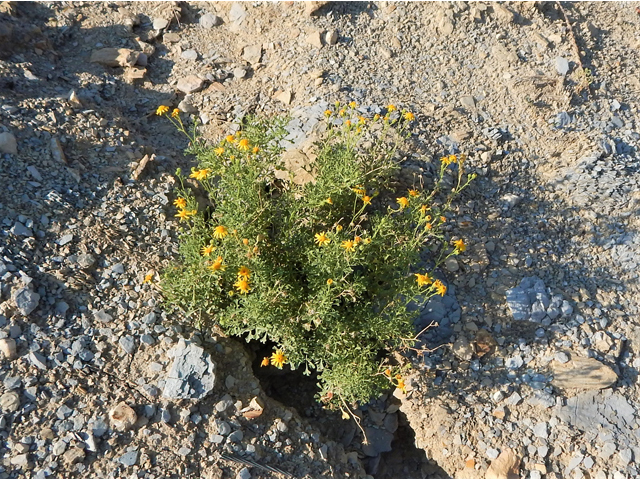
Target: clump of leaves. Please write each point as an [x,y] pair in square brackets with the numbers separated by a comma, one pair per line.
[311,252]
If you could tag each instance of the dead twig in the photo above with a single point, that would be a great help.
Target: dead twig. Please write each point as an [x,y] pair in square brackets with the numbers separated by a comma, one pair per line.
[584,84]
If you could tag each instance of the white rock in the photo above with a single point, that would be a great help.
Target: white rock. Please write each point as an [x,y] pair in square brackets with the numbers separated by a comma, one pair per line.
[252,53]
[8,348]
[315,39]
[190,84]
[10,402]
[331,37]
[123,417]
[209,20]
[160,23]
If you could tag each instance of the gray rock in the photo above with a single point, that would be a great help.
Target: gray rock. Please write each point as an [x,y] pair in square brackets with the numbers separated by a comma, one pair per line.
[11,383]
[224,404]
[99,427]
[129,459]
[189,54]
[513,399]
[562,65]
[65,239]
[573,463]
[127,343]
[244,473]
[608,449]
[583,373]
[236,437]
[165,415]
[538,311]
[191,374]
[160,23]
[541,399]
[237,13]
[331,37]
[59,447]
[63,412]
[379,441]
[518,302]
[9,402]
[492,453]
[514,362]
[217,439]
[38,360]
[561,357]
[208,20]
[223,427]
[19,230]
[625,456]
[102,316]
[588,462]
[391,422]
[451,264]
[147,339]
[463,349]
[62,307]
[8,143]
[540,430]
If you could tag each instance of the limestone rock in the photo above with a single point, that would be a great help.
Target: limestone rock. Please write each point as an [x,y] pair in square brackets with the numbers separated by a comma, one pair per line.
[507,465]
[190,84]
[123,417]
[583,373]
[252,53]
[8,348]
[26,300]
[9,402]
[191,374]
[8,143]
[115,57]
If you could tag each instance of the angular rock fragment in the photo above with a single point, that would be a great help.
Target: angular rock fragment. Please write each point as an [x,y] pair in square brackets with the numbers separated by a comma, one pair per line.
[191,374]
[583,373]
[115,57]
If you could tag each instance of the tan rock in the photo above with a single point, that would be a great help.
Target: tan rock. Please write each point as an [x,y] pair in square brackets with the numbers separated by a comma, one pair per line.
[315,39]
[252,53]
[56,151]
[9,402]
[73,455]
[123,417]
[8,348]
[313,7]
[284,97]
[582,373]
[115,57]
[190,84]
[507,465]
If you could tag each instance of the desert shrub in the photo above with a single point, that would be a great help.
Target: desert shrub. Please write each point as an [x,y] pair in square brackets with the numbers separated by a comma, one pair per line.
[312,251]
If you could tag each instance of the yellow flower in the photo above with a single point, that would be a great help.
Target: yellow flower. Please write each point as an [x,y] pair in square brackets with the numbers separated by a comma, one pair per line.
[230,138]
[440,287]
[359,190]
[148,278]
[200,174]
[453,159]
[387,372]
[245,241]
[175,113]
[329,201]
[207,249]
[391,108]
[348,245]
[255,149]
[330,281]
[180,202]
[428,226]
[322,239]
[278,359]
[327,113]
[376,117]
[357,240]
[413,193]
[367,200]
[443,219]
[243,144]
[409,116]
[217,265]
[423,209]
[362,120]
[347,123]
[404,203]
[244,273]
[162,109]
[185,214]
[342,112]
[402,386]
[423,279]
[219,151]
[338,228]
[352,104]
[220,232]
[242,285]
[265,362]
[460,246]
[367,241]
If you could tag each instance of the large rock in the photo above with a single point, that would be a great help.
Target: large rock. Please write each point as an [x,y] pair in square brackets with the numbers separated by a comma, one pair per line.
[8,143]
[583,373]
[190,84]
[191,374]
[26,300]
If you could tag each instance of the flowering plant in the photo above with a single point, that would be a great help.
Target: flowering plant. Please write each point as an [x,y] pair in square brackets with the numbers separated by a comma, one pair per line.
[323,267]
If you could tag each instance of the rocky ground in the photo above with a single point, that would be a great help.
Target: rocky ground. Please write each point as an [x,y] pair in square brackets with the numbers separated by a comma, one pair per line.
[532,371]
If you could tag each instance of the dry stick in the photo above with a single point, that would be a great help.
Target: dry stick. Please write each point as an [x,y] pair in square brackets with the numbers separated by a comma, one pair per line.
[573,41]
[357,420]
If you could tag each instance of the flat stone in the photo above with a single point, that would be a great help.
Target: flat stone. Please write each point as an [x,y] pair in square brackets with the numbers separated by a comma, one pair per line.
[9,402]
[123,417]
[513,399]
[208,20]
[190,84]
[129,459]
[315,39]
[625,456]
[451,264]
[192,373]
[583,373]
[561,357]
[492,453]
[160,23]
[65,239]
[507,465]
[252,53]
[102,316]
[8,143]
[8,348]
[463,349]
[540,430]
[562,65]
[379,441]
[519,304]
[38,360]
[34,173]
[19,230]
[236,437]
[189,54]
[127,343]
[73,456]
[237,13]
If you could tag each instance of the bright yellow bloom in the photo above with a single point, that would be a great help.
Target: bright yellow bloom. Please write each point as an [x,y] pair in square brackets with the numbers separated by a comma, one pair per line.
[180,202]
[423,279]
[402,386]
[185,214]
[322,239]
[367,241]
[162,109]
[242,285]
[440,287]
[243,144]
[409,116]
[413,193]
[148,278]
[460,246]
[359,190]
[230,138]
[217,265]
[358,130]
[327,113]
[367,200]
[428,226]
[329,201]
[255,149]
[453,159]
[404,203]
[278,359]
[391,108]
[200,174]
[175,113]
[219,151]
[353,104]
[362,120]
[423,209]
[220,232]
[357,240]
[330,281]
[265,362]
[347,123]
[348,245]
[338,228]
[443,219]
[376,117]
[244,273]
[207,249]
